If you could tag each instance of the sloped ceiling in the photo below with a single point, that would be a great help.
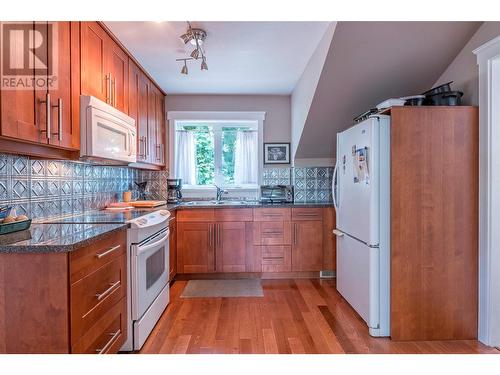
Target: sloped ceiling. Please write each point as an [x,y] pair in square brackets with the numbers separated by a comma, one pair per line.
[369,62]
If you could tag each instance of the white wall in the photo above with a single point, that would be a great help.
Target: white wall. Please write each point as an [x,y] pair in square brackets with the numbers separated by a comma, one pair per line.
[305,88]
[463,71]
[277,107]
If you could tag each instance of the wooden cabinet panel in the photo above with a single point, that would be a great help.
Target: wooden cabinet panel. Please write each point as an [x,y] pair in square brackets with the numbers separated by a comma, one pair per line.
[23,115]
[94,76]
[117,65]
[276,258]
[61,96]
[195,247]
[233,214]
[272,214]
[307,248]
[329,240]
[160,129]
[272,233]
[307,214]
[94,256]
[231,247]
[153,156]
[34,303]
[93,296]
[108,335]
[172,250]
[197,215]
[434,223]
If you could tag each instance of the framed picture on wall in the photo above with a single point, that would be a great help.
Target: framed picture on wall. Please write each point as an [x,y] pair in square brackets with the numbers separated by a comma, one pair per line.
[276,153]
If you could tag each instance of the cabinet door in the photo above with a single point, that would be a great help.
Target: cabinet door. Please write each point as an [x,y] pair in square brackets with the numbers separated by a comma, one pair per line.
[158,150]
[173,250]
[160,128]
[94,77]
[231,246]
[138,107]
[18,112]
[152,156]
[195,245]
[307,245]
[60,97]
[117,67]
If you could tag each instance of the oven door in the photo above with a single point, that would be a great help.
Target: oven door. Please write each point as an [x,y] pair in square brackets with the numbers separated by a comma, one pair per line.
[149,271]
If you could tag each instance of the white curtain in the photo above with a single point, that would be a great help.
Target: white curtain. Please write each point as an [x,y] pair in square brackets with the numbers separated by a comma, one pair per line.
[185,163]
[246,158]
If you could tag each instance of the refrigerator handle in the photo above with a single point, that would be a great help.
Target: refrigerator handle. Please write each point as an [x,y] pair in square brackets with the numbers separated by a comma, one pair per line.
[338,233]
[334,185]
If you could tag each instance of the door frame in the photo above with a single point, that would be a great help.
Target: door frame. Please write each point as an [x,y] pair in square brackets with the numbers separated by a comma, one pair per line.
[488,59]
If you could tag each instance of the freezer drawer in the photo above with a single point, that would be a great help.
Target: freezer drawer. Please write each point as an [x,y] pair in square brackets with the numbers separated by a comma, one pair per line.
[358,277]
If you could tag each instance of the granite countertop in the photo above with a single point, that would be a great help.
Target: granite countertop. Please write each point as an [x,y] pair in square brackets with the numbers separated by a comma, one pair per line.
[250,204]
[53,238]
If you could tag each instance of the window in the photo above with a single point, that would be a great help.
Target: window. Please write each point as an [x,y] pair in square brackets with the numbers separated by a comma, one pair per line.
[224,153]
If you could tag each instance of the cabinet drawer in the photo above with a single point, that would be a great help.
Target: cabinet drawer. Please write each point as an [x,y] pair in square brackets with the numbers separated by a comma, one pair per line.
[272,233]
[88,259]
[107,335]
[93,296]
[196,214]
[271,214]
[307,214]
[233,214]
[276,258]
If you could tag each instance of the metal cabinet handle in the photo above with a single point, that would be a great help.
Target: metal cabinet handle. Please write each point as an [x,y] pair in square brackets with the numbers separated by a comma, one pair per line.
[295,233]
[110,250]
[108,93]
[310,214]
[108,291]
[59,107]
[113,92]
[48,108]
[113,338]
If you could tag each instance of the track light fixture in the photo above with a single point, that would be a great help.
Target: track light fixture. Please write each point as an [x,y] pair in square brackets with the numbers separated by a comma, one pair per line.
[195,37]
[184,69]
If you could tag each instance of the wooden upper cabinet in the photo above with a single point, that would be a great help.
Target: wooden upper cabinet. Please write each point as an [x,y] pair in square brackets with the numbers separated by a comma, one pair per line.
[93,40]
[117,65]
[104,67]
[20,111]
[63,132]
[24,112]
[307,245]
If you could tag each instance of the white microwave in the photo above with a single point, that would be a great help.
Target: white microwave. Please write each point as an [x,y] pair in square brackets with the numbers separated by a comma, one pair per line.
[107,135]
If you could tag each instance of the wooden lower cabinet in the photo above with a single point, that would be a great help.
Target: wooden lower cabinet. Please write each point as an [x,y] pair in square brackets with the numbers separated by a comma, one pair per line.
[195,247]
[65,302]
[307,247]
[233,242]
[258,240]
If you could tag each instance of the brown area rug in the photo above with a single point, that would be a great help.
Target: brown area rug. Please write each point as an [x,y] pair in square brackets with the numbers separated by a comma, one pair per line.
[223,288]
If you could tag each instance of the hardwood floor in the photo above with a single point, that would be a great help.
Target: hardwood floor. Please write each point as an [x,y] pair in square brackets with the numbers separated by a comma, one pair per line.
[294,317]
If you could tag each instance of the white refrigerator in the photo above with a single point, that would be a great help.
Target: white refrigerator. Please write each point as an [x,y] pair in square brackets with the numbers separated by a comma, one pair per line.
[361,192]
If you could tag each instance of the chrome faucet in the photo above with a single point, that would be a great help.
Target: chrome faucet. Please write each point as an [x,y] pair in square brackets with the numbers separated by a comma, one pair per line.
[220,191]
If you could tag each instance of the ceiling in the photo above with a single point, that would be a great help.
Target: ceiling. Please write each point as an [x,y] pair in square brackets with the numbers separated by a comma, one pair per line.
[369,62]
[242,57]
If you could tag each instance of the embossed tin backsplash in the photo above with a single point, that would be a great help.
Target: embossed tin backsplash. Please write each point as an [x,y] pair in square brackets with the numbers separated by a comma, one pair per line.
[311,184]
[48,188]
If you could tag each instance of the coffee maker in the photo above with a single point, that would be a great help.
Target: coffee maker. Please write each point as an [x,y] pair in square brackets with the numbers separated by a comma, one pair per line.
[174,186]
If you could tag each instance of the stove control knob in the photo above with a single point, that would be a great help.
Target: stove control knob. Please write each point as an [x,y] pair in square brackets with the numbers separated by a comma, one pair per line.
[142,222]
